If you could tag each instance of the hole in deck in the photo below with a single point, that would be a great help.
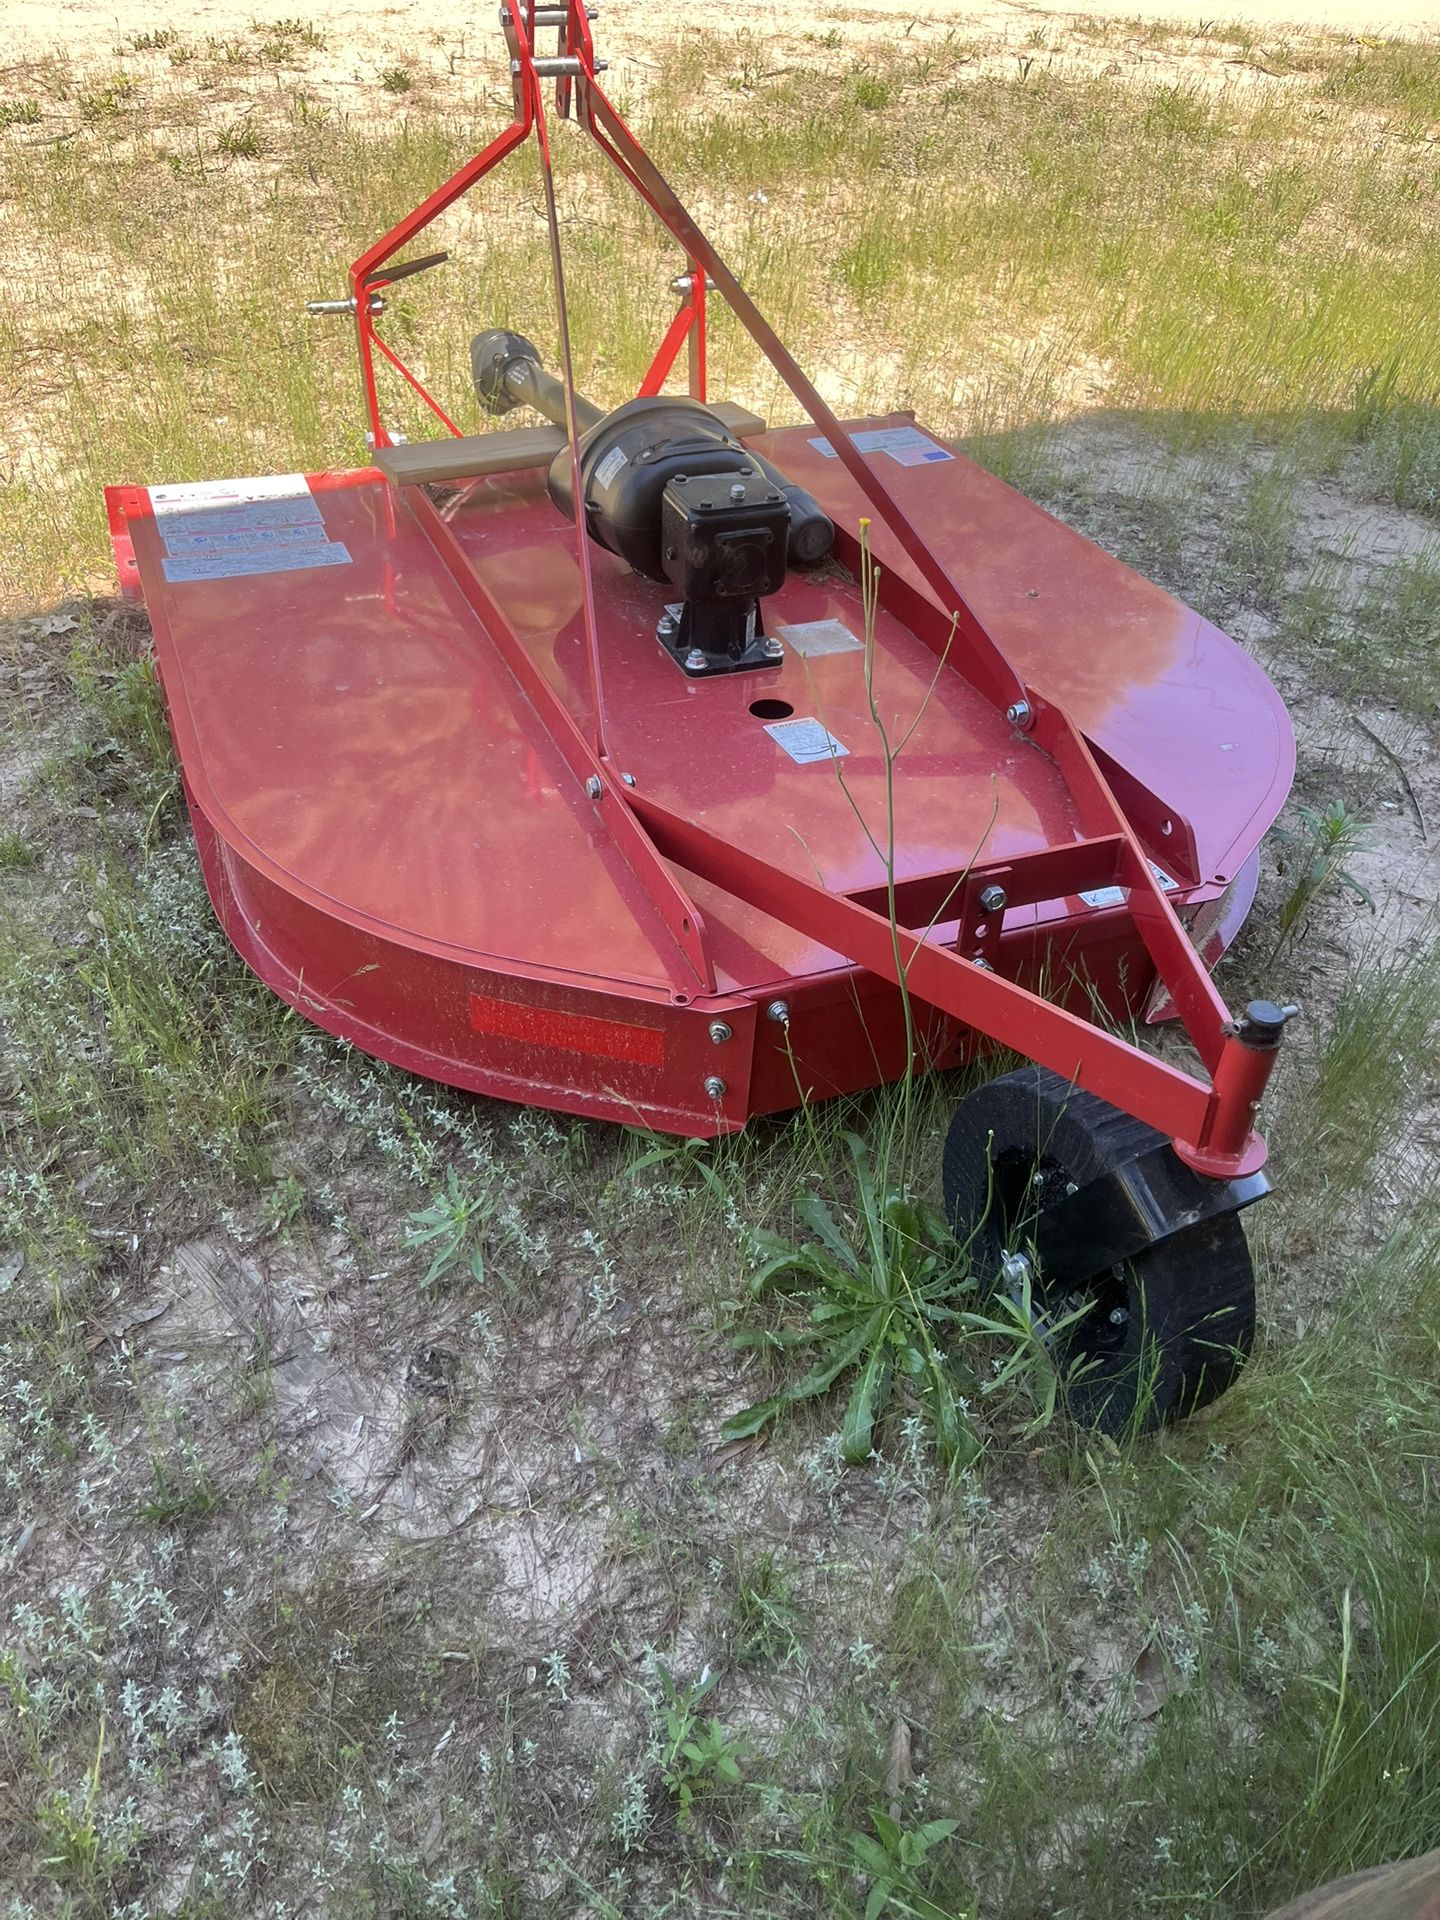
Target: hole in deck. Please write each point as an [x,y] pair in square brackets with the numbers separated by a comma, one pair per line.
[771,709]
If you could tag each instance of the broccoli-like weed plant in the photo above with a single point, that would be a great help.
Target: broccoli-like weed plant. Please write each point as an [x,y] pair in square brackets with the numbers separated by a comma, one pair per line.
[1317,852]
[879,1300]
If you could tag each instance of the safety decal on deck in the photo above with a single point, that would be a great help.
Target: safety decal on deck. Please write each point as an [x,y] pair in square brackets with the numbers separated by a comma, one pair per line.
[814,637]
[907,446]
[1115,896]
[806,740]
[220,529]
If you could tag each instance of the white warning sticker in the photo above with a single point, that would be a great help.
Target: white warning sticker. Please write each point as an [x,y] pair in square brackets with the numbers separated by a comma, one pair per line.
[815,637]
[1115,896]
[221,529]
[286,496]
[229,566]
[906,446]
[806,740]
[610,466]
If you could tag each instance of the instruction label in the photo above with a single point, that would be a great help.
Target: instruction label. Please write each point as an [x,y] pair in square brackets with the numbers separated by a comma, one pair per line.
[906,446]
[610,466]
[815,637]
[221,529]
[806,740]
[1115,896]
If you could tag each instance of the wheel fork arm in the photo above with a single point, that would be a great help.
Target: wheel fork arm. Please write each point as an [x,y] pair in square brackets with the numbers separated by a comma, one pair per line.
[1212,1126]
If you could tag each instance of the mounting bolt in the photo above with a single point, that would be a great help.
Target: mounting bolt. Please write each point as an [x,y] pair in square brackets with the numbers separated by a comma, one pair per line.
[715,1087]
[779,1012]
[979,960]
[594,786]
[1119,1317]
[1015,1269]
[1019,714]
[774,649]
[695,661]
[627,779]
[720,1032]
[992,900]
[737,492]
[665,627]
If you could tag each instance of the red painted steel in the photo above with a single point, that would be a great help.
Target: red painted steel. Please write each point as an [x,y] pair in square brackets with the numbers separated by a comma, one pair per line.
[668,351]
[454,803]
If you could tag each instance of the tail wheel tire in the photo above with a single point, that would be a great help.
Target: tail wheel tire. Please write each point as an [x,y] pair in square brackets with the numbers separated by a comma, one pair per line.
[1161,1335]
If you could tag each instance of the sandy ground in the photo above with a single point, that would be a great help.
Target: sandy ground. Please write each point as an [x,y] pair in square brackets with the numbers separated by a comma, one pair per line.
[96,26]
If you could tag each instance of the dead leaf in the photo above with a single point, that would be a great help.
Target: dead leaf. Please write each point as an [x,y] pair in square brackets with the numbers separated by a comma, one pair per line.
[126,1323]
[59,623]
[12,1266]
[1155,1680]
[899,1772]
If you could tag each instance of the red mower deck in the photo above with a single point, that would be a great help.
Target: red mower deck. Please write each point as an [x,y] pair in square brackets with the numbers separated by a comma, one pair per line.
[397,849]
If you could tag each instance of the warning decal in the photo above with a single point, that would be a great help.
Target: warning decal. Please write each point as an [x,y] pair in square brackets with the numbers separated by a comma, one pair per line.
[220,529]
[906,446]
[806,740]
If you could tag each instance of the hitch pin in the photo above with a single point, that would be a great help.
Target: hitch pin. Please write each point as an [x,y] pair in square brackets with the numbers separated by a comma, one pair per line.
[375,304]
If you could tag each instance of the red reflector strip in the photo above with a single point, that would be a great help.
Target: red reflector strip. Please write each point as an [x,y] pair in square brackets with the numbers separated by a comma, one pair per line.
[570,1032]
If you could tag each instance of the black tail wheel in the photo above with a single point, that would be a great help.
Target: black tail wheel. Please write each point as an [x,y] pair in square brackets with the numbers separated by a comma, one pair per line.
[1162,1333]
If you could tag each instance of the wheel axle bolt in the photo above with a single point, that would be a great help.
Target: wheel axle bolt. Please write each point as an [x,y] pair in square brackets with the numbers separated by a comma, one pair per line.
[719,1032]
[779,1012]
[992,900]
[715,1087]
[1119,1317]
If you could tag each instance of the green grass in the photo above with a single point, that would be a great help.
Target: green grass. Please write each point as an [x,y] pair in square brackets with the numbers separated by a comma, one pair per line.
[411,1549]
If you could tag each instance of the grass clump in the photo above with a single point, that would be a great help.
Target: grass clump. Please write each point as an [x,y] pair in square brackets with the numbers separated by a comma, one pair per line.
[243,141]
[765,1611]
[17,854]
[1314,857]
[880,1305]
